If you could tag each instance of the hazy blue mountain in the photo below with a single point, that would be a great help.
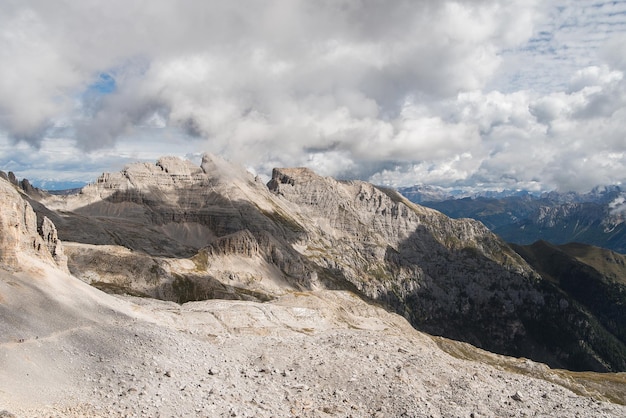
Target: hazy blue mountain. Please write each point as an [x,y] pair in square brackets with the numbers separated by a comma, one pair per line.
[595,218]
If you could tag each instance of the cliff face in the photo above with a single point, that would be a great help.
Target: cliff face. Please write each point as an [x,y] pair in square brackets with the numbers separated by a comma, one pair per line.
[22,233]
[216,231]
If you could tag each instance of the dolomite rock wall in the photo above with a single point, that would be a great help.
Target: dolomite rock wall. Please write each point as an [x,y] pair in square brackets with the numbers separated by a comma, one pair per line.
[19,233]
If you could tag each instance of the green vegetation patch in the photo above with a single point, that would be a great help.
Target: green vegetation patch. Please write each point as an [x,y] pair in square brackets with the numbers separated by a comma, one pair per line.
[116,289]
[283,219]
[201,261]
[186,290]
[379,273]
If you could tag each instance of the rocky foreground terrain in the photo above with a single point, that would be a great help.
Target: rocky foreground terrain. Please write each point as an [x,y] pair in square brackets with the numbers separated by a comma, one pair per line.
[70,350]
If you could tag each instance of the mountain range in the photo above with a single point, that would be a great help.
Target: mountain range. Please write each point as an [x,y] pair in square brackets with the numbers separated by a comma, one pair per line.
[179,232]
[595,218]
[301,253]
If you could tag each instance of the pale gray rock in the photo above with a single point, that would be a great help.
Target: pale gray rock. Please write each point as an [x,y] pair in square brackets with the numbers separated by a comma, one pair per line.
[240,243]
[517,396]
[20,234]
[48,233]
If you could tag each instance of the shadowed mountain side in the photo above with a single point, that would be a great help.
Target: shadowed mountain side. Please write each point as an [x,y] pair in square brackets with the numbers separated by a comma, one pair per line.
[461,293]
[610,264]
[233,246]
[235,250]
[464,295]
[142,222]
[590,278]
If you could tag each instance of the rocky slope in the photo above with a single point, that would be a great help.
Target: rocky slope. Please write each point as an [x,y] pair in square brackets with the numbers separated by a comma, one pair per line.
[67,349]
[188,233]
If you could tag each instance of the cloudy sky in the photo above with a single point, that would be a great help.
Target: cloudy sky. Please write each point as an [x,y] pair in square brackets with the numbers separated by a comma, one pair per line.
[476,93]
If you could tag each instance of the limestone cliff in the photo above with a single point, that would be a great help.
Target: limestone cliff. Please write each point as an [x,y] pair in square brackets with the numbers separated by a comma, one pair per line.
[20,233]
[449,277]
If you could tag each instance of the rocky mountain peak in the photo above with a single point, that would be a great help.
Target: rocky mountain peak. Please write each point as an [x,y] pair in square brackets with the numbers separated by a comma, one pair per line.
[175,166]
[23,184]
[291,176]
[216,167]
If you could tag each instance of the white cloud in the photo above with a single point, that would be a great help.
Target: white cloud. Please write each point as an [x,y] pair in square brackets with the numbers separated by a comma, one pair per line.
[497,93]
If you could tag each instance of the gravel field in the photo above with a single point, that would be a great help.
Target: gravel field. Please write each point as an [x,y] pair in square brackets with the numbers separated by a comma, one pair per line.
[309,354]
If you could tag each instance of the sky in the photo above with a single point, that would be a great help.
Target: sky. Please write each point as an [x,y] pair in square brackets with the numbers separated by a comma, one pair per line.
[478,94]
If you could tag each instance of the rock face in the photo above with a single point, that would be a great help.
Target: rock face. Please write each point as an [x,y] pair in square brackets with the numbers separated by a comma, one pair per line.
[48,233]
[20,234]
[216,231]
[440,273]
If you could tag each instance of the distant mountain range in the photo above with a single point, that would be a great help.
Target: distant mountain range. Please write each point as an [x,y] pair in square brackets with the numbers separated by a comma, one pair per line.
[594,218]
[426,193]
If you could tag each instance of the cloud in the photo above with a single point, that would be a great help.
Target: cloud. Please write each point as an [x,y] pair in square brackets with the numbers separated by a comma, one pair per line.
[202,49]
[502,93]
[565,140]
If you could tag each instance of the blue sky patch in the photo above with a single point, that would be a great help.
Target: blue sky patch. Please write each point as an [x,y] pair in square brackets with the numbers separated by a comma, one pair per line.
[104,85]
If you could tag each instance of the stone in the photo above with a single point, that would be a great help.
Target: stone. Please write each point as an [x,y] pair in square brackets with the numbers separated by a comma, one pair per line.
[48,233]
[19,231]
[517,396]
